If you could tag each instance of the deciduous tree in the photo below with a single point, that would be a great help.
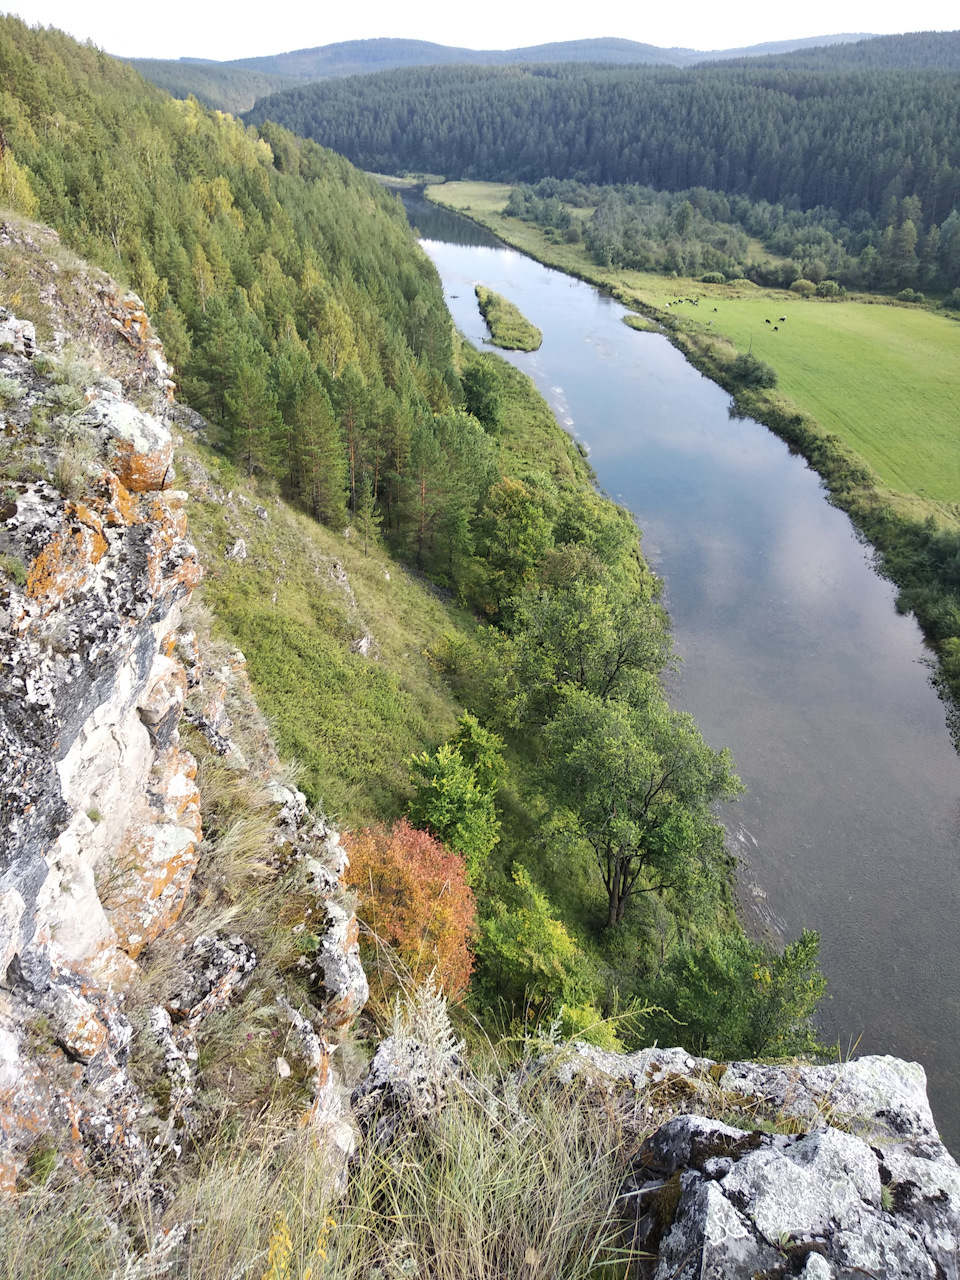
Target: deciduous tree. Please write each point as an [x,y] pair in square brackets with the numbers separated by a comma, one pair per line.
[639,780]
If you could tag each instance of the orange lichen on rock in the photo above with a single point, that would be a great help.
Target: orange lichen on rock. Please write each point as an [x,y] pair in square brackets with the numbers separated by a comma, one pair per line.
[119,505]
[62,569]
[176,772]
[152,892]
[79,1030]
[141,472]
[89,519]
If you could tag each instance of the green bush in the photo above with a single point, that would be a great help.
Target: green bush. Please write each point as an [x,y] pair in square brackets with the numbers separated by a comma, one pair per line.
[733,998]
[806,288]
[827,289]
[455,793]
[748,371]
[713,277]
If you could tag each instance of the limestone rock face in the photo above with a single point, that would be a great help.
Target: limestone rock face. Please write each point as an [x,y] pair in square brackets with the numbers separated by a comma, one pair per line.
[100,809]
[865,1187]
[138,445]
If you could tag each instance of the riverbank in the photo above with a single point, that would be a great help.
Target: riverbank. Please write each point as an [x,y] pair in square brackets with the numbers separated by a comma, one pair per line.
[916,535]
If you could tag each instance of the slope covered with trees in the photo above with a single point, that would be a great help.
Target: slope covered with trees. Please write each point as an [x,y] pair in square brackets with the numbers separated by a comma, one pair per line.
[286,285]
[846,141]
[916,50]
[224,88]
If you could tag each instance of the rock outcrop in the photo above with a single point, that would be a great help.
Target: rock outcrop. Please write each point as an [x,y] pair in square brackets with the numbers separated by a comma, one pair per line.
[746,1171]
[824,1172]
[101,835]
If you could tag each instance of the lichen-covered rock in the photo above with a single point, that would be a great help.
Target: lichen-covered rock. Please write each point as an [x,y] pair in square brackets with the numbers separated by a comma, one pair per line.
[100,823]
[18,336]
[137,446]
[868,1188]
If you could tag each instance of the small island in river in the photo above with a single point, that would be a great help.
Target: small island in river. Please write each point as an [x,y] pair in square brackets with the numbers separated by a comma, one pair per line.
[509,328]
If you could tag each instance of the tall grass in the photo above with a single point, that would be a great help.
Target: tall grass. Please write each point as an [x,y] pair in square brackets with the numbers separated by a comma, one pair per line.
[513,1176]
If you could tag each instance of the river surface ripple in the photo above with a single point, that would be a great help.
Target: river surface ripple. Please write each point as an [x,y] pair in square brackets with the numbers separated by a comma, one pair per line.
[794,656]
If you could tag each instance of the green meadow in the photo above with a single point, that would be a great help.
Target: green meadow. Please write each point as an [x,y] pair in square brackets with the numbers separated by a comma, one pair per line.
[885,378]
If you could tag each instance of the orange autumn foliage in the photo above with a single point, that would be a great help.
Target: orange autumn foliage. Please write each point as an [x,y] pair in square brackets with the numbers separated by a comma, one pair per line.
[415,898]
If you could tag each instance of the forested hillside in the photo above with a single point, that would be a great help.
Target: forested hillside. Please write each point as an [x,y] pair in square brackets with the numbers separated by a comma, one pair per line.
[845,141]
[286,285]
[224,88]
[917,50]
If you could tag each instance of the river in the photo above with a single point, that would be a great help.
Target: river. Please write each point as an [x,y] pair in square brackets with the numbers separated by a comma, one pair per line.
[793,653]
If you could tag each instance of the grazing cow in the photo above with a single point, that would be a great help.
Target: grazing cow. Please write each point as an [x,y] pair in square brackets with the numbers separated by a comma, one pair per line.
[776,328]
[714,308]
[783,319]
[766,322]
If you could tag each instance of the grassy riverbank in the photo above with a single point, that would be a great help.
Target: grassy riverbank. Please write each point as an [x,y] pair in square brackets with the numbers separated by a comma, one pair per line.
[509,327]
[867,392]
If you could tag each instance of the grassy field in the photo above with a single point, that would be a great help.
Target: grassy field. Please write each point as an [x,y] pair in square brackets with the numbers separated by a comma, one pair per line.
[884,378]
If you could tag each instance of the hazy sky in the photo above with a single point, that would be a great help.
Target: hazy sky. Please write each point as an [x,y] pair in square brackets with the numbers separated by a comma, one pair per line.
[247,28]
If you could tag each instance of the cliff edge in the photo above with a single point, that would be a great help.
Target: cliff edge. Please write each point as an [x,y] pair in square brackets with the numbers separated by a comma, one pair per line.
[102,823]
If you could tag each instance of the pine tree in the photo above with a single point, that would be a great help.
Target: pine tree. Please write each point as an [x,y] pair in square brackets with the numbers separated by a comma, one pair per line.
[368,519]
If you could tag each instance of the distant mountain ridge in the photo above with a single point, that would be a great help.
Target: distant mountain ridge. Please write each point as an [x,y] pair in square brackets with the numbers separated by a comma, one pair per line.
[235,86]
[355,57]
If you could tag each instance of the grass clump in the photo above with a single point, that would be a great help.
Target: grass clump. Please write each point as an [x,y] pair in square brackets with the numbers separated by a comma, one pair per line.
[509,328]
[511,1176]
[14,568]
[11,392]
[76,452]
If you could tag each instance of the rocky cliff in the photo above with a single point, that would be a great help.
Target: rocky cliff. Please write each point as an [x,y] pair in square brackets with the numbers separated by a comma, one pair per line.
[102,829]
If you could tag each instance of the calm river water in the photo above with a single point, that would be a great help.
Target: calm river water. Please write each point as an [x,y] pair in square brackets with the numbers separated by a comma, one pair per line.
[793,656]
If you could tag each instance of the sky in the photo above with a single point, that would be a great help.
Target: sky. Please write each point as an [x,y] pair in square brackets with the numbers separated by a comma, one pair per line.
[248,28]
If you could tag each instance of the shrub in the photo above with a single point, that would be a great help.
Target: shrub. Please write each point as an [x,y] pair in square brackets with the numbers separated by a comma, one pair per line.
[733,998]
[827,289]
[910,295]
[713,277]
[806,288]
[748,371]
[952,300]
[529,958]
[414,897]
[453,804]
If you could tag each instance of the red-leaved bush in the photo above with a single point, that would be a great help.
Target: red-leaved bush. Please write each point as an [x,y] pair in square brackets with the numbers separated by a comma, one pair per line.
[415,898]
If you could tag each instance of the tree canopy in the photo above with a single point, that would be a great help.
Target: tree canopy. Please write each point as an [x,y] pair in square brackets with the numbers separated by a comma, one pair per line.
[639,780]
